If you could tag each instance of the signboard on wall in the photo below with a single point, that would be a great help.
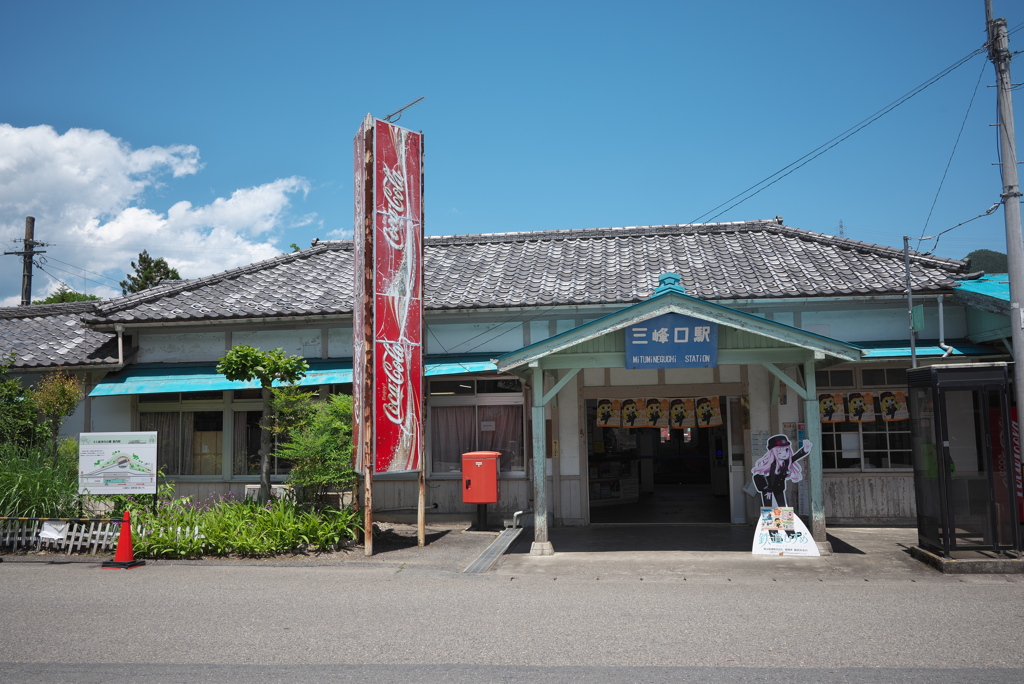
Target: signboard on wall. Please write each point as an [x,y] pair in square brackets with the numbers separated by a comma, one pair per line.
[672,341]
[388,311]
[117,463]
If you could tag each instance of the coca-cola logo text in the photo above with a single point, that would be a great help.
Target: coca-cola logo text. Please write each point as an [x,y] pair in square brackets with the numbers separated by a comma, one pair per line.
[394,197]
[393,364]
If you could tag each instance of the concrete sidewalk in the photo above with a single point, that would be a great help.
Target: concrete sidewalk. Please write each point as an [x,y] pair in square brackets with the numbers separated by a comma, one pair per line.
[712,552]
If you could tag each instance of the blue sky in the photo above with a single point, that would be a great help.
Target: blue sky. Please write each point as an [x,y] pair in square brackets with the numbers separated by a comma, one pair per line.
[217,133]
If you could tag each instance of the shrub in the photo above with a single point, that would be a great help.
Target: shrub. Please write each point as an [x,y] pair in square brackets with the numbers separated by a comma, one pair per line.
[39,483]
[17,412]
[320,450]
[182,528]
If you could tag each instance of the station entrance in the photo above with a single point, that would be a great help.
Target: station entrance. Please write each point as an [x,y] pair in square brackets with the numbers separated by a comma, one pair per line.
[657,475]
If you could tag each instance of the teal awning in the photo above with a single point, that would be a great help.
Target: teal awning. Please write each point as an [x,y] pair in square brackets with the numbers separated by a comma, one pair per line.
[890,349]
[158,379]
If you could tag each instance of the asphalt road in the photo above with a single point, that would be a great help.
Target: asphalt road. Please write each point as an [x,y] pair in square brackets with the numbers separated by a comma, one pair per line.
[413,616]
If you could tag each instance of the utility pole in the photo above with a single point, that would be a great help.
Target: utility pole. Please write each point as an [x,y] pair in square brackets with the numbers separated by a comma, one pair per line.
[999,53]
[910,301]
[26,255]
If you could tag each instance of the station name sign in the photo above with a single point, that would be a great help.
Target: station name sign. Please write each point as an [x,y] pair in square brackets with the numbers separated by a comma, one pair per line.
[672,341]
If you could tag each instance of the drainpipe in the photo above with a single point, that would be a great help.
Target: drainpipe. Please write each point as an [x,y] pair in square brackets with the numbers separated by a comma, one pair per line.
[119,327]
[942,333]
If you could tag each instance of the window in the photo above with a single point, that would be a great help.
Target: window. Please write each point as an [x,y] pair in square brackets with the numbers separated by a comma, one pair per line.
[834,378]
[195,432]
[877,444]
[468,414]
[880,377]
[188,442]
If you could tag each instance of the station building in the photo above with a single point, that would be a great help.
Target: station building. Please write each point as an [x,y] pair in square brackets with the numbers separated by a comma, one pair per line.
[525,346]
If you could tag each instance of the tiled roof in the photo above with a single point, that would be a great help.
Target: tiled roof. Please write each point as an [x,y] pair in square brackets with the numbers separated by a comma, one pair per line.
[726,261]
[50,335]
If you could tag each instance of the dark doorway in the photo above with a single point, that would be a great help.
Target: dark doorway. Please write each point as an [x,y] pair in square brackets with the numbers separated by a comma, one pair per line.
[657,475]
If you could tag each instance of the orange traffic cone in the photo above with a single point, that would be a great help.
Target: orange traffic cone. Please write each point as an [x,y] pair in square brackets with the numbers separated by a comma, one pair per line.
[124,556]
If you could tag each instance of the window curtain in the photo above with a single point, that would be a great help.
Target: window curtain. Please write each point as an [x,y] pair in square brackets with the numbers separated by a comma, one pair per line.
[188,427]
[168,439]
[240,443]
[452,433]
[506,437]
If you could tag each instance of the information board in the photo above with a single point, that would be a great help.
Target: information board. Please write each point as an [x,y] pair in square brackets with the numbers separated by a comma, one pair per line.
[117,463]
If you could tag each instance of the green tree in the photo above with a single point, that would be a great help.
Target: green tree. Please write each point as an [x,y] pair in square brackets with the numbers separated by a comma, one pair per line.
[292,407]
[66,294]
[148,272]
[17,413]
[247,363]
[988,261]
[55,397]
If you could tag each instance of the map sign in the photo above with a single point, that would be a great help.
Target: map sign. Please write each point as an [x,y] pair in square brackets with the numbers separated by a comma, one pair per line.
[117,463]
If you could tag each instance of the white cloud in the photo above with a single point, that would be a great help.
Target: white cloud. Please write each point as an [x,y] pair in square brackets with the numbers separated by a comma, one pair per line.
[86,189]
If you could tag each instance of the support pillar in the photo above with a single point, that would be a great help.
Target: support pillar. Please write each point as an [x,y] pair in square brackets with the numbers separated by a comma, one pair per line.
[541,545]
[812,418]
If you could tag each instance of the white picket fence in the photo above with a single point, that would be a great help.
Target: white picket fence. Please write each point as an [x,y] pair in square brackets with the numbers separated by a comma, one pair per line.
[82,537]
[88,537]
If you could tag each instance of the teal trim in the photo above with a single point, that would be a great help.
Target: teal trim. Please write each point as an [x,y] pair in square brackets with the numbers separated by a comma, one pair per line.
[459,367]
[159,379]
[889,349]
[992,285]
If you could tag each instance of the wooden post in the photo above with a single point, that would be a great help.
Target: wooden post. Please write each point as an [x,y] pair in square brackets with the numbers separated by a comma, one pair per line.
[812,417]
[541,545]
[421,513]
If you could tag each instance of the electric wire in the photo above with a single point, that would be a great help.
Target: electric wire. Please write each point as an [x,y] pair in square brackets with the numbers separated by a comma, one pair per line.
[829,144]
[57,278]
[85,270]
[949,162]
[939,235]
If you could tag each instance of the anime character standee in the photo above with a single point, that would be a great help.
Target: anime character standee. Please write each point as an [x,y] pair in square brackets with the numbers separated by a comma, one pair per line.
[778,465]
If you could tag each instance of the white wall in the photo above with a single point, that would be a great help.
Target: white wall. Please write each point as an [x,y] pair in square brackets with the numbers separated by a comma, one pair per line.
[111,414]
[181,347]
[473,338]
[339,343]
[885,323]
[570,433]
[304,343]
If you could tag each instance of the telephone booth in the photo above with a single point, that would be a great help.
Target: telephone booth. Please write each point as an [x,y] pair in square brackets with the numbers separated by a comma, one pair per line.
[966,469]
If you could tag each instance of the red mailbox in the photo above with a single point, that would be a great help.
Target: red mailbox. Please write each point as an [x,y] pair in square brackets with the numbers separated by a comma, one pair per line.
[480,477]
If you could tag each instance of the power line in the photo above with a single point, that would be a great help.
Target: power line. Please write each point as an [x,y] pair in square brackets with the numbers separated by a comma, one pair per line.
[963,124]
[828,145]
[939,235]
[84,270]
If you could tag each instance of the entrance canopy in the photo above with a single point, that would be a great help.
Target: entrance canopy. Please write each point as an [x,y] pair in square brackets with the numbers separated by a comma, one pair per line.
[717,334]
[743,338]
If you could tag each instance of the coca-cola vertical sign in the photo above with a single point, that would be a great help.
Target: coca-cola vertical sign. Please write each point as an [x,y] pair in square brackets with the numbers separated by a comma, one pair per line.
[395,359]
[398,297]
